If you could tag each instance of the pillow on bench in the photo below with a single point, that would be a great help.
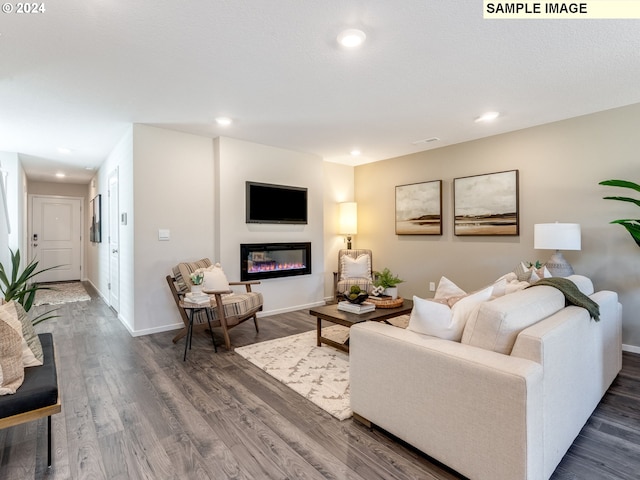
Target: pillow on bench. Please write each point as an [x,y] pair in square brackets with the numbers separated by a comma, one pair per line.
[40,386]
[11,368]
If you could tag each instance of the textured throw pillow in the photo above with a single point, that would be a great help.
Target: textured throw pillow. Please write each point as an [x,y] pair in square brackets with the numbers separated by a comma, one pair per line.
[182,272]
[512,284]
[32,355]
[11,368]
[214,279]
[531,274]
[438,319]
[447,289]
[522,272]
[356,267]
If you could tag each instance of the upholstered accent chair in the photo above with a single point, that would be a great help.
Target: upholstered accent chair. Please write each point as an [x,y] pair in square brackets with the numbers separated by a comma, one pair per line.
[354,268]
[228,308]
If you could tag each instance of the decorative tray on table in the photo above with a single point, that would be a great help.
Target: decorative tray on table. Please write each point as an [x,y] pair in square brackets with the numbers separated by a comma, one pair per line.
[385,301]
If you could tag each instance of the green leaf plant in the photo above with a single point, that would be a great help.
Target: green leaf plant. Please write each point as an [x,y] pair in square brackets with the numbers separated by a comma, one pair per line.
[632,225]
[385,279]
[19,286]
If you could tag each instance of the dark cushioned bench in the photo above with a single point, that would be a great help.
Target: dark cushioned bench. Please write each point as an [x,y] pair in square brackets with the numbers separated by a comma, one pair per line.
[37,397]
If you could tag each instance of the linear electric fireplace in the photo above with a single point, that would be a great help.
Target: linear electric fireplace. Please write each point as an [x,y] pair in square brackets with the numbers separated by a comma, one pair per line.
[272,260]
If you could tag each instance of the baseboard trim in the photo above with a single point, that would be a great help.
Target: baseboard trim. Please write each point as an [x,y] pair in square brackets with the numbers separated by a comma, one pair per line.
[630,348]
[290,309]
[149,331]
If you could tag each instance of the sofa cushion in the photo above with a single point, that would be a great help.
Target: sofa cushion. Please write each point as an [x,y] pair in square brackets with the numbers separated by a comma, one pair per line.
[498,323]
[236,306]
[584,284]
[11,367]
[437,319]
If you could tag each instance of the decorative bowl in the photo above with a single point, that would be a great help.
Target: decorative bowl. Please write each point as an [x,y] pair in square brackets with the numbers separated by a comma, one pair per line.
[362,296]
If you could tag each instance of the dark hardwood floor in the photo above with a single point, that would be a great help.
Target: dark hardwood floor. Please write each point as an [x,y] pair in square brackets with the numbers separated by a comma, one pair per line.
[132,409]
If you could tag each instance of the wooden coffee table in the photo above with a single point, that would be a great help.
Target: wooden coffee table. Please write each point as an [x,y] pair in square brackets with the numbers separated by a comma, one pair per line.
[331,314]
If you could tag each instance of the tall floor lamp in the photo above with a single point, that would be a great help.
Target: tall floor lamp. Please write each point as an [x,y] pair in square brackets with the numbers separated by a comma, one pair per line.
[557,236]
[348,217]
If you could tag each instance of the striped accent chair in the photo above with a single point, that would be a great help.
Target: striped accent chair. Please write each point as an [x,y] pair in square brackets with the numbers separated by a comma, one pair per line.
[354,268]
[228,308]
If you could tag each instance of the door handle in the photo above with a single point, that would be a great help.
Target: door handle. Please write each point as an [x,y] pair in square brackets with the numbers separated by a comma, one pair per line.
[35,245]
[115,250]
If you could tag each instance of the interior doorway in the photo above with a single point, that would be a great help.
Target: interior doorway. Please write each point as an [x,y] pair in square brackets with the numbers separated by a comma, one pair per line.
[55,237]
[114,242]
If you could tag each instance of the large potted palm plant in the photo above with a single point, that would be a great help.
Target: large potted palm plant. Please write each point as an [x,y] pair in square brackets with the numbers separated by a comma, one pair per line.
[19,286]
[632,225]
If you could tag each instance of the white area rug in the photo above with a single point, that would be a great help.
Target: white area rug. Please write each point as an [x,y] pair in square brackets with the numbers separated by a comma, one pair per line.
[320,374]
[60,293]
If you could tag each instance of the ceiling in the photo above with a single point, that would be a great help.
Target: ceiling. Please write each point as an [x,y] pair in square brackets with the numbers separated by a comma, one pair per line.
[79,74]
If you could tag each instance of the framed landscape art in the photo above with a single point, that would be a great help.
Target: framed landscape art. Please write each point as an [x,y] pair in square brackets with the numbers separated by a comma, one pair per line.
[419,208]
[486,204]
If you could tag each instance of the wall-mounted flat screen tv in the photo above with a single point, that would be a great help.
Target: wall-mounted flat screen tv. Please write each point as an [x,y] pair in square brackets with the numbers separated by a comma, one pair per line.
[267,203]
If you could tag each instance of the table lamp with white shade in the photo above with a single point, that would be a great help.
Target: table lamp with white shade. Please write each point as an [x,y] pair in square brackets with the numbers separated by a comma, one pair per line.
[557,236]
[348,218]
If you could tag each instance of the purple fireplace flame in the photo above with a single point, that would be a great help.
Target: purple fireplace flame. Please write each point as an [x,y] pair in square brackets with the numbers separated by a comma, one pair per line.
[272,260]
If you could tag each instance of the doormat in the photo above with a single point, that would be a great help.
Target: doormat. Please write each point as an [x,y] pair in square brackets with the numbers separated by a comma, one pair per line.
[320,374]
[59,293]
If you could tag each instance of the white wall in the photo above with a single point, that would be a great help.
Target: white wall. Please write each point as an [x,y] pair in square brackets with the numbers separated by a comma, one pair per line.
[97,254]
[173,189]
[195,187]
[16,206]
[5,215]
[237,162]
[560,166]
[338,188]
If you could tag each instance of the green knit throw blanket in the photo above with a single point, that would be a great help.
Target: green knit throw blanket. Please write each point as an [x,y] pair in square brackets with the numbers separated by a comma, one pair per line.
[572,295]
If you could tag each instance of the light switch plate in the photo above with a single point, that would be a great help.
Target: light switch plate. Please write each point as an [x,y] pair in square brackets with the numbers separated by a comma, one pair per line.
[164,235]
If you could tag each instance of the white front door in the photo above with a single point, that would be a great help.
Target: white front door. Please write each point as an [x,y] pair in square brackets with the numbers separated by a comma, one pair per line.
[114,243]
[56,237]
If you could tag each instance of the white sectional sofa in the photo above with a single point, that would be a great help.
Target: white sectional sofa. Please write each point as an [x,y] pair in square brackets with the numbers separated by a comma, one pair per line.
[489,415]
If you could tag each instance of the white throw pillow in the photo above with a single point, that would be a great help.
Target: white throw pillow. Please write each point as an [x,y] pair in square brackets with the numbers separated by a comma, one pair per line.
[356,267]
[430,318]
[214,279]
[499,287]
[439,320]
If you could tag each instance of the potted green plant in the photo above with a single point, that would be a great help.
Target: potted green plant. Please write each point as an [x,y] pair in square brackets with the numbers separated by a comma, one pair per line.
[632,225]
[388,281]
[20,287]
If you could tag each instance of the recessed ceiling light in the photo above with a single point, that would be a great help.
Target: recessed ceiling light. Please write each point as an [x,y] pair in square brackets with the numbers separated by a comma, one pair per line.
[351,38]
[223,121]
[60,175]
[355,153]
[426,140]
[64,150]
[488,116]
[88,168]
